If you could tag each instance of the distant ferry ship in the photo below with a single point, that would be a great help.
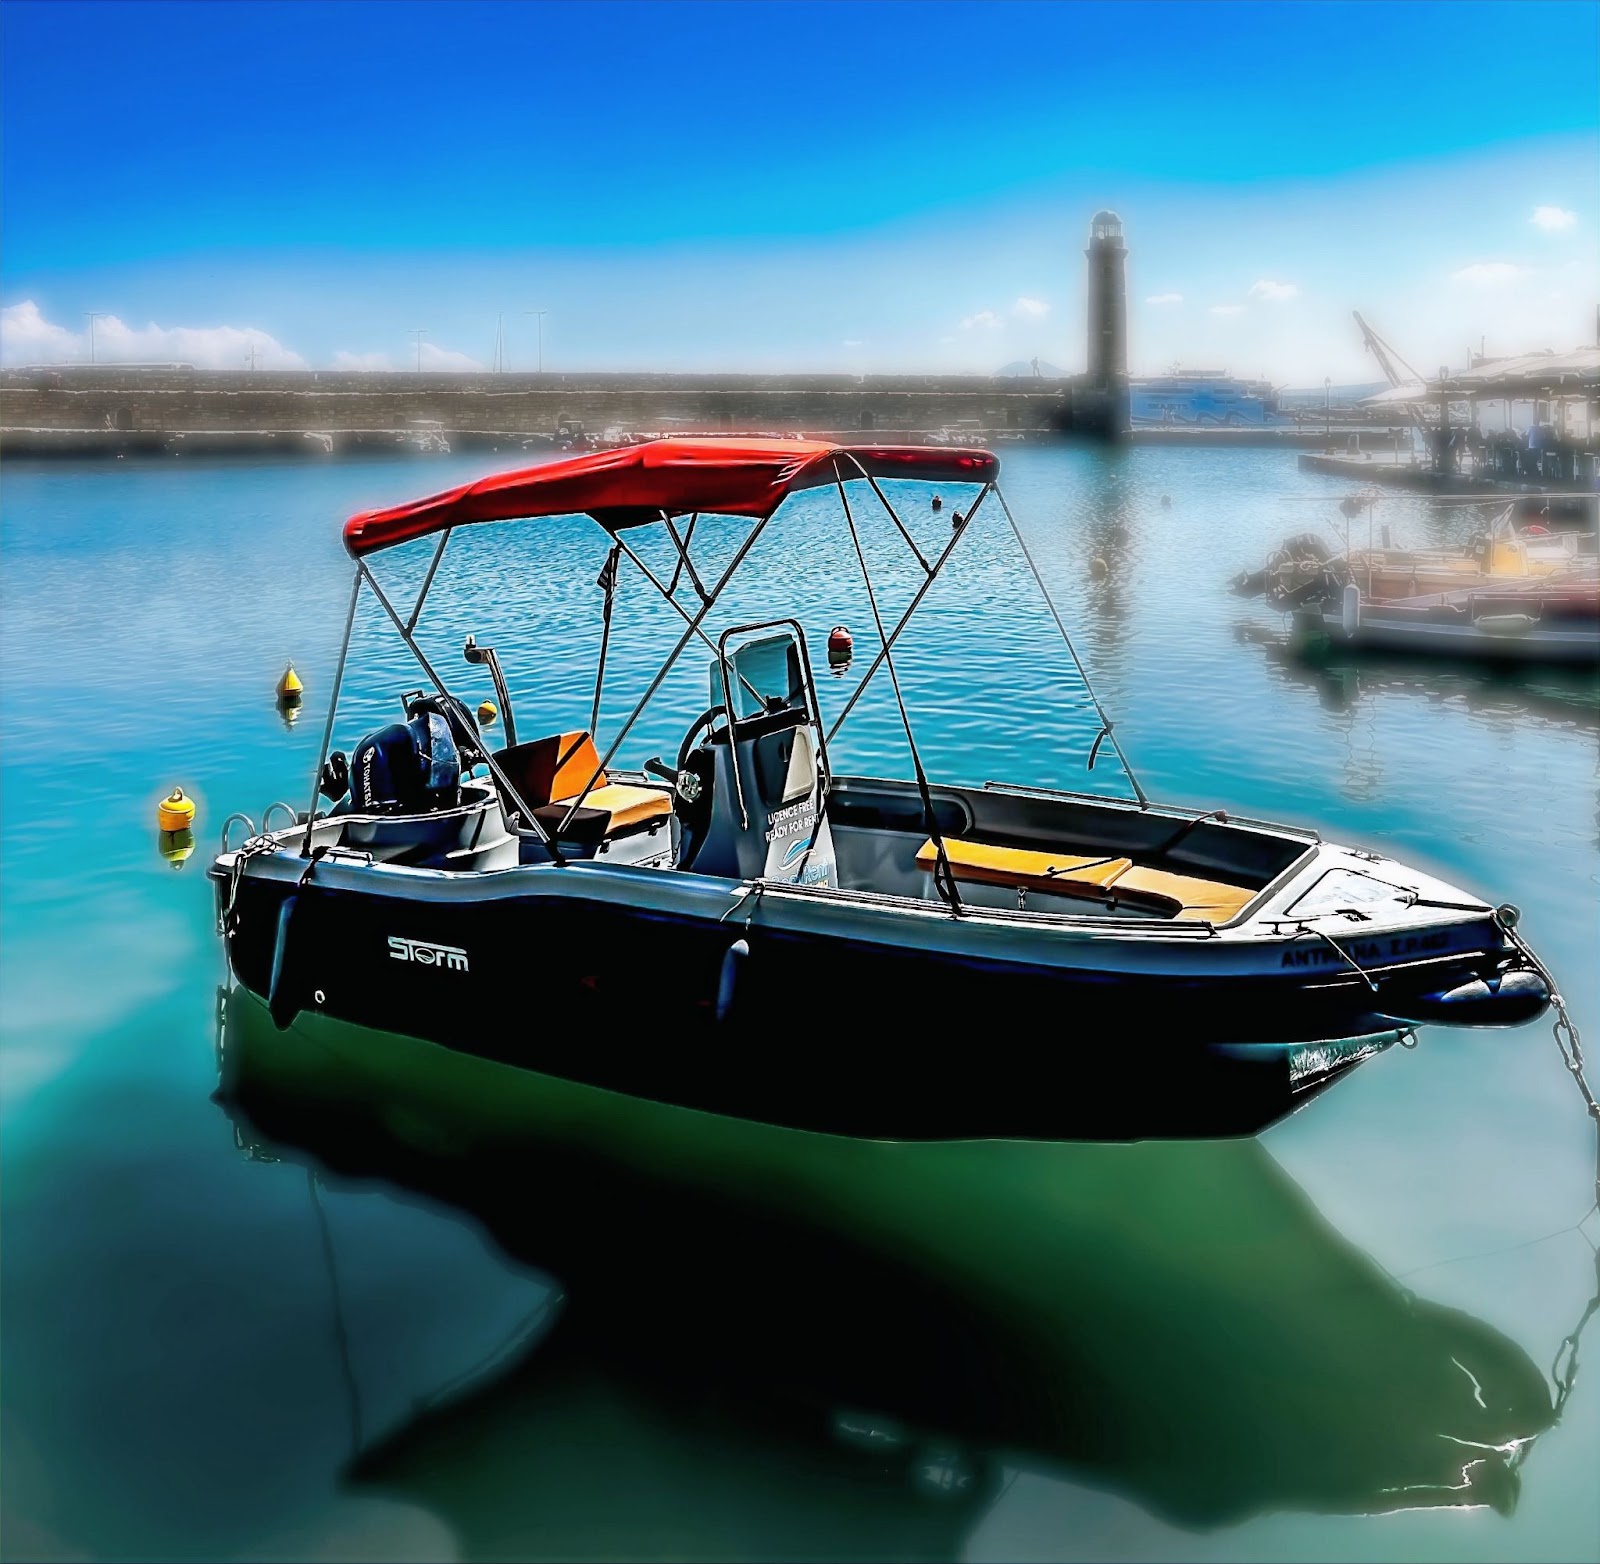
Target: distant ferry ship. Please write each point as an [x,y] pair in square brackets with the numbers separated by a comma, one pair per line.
[1203,396]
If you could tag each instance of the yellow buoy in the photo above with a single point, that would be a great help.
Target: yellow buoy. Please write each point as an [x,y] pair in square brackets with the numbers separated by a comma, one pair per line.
[175,812]
[290,689]
[176,846]
[486,714]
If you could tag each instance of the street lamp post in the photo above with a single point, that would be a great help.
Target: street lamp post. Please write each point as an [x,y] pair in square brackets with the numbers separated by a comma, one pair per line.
[541,314]
[419,333]
[93,315]
[1327,409]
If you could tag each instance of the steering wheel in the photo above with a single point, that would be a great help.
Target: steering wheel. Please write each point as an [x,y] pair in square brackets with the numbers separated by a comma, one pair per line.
[704,720]
[691,785]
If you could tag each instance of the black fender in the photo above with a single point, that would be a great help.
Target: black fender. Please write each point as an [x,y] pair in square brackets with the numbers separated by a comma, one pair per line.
[1509,1000]
[285,998]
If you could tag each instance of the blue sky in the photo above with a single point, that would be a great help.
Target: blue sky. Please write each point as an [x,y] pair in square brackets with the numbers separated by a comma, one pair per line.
[810,187]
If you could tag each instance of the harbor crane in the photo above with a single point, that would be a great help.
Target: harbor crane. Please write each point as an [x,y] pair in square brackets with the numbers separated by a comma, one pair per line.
[1390,361]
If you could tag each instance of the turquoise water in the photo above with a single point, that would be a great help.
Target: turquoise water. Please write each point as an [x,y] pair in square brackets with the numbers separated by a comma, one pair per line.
[197,1338]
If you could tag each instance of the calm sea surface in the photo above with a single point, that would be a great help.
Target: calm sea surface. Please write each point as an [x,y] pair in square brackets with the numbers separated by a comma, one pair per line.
[663,1335]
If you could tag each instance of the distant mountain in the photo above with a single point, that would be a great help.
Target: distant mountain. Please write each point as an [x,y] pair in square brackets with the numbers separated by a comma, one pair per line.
[1022,369]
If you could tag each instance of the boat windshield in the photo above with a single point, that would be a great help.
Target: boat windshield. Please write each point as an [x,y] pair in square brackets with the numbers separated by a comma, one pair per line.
[763,673]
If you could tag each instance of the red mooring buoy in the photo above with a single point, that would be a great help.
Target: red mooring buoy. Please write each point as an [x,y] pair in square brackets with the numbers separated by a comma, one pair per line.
[841,648]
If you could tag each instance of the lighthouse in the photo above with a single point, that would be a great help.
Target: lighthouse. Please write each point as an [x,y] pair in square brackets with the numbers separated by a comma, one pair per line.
[1108,305]
[1095,406]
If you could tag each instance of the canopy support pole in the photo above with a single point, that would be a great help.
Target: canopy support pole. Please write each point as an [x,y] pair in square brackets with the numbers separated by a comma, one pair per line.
[427,580]
[1107,727]
[495,768]
[682,546]
[688,635]
[894,515]
[943,878]
[911,608]
[683,554]
[681,611]
[608,583]
[333,706]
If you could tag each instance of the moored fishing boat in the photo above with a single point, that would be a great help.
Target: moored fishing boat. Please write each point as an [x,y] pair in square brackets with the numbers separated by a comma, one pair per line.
[748,931]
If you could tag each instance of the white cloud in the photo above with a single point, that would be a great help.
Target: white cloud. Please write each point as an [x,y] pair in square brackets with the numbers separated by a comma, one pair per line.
[1165,298]
[854,342]
[945,340]
[344,360]
[1553,219]
[1489,274]
[986,318]
[27,337]
[1227,309]
[1034,309]
[1266,288]
[446,359]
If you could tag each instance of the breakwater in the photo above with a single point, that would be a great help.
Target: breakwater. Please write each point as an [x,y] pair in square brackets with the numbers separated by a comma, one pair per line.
[85,410]
[169,401]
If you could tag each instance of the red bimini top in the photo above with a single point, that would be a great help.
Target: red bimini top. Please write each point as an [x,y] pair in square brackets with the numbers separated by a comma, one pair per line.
[636,484]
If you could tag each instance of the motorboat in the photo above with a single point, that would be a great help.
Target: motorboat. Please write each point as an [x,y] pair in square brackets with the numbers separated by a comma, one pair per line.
[1542,621]
[1511,551]
[745,930]
[1518,592]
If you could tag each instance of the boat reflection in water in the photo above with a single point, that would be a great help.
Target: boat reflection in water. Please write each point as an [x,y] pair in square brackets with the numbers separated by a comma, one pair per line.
[771,1343]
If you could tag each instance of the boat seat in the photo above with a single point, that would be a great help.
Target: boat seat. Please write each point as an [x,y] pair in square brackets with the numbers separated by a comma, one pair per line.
[986,863]
[551,772]
[1182,895]
[1106,879]
[613,810]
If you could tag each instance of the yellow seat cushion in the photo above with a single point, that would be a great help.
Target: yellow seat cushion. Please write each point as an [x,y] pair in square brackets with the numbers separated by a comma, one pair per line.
[629,806]
[984,863]
[1105,878]
[1187,895]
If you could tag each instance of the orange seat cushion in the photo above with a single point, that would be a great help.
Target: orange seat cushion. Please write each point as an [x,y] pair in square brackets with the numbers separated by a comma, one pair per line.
[550,770]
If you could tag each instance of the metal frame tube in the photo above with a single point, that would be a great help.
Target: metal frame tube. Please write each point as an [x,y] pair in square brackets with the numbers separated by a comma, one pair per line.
[911,608]
[678,608]
[427,580]
[333,706]
[495,769]
[672,657]
[894,515]
[943,878]
[1107,727]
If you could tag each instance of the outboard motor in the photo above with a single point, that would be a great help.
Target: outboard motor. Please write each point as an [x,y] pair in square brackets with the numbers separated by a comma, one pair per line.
[768,789]
[407,768]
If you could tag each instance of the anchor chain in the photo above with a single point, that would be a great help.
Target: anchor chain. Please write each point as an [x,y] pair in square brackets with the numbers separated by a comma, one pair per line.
[1565,1031]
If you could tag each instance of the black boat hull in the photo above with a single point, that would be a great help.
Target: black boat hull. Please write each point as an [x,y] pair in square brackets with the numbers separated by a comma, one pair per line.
[813,1032]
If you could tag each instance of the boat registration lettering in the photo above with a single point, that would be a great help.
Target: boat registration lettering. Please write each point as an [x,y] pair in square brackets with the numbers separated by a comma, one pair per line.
[426,954]
[1367,950]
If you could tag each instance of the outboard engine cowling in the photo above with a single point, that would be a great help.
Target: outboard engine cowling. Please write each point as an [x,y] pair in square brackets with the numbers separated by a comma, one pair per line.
[407,768]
